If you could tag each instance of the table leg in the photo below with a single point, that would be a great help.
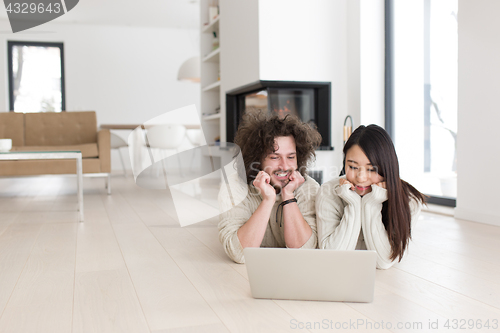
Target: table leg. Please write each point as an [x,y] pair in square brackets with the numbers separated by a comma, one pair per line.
[109,183]
[79,175]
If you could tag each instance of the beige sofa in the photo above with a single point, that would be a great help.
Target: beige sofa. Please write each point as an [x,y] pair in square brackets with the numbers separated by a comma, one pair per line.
[55,132]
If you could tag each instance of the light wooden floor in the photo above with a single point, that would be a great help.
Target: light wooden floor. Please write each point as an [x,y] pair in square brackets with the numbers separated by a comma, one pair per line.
[130,268]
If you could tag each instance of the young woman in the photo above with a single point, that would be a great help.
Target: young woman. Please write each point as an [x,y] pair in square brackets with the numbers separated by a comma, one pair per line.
[369,207]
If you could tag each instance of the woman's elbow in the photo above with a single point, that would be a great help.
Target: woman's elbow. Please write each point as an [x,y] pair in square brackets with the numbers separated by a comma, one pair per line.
[385,263]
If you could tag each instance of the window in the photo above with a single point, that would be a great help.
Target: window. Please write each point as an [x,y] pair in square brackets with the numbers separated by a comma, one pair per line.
[36,77]
[421,83]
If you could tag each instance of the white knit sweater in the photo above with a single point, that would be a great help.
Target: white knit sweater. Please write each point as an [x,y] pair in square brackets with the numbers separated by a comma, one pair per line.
[234,217]
[347,221]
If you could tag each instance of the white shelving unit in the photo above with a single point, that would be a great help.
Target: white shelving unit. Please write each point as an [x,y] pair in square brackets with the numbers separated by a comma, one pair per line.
[208,28]
[212,117]
[212,56]
[211,96]
[213,86]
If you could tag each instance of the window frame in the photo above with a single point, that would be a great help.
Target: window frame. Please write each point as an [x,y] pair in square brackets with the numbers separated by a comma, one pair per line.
[10,46]
[389,91]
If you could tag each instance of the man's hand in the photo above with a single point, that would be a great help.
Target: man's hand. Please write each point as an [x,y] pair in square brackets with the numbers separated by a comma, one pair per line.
[343,181]
[262,183]
[296,180]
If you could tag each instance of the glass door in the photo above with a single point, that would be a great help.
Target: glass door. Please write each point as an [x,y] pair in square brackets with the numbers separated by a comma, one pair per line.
[424,94]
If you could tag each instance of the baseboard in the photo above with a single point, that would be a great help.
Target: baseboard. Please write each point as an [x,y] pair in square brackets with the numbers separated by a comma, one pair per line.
[474,216]
[438,209]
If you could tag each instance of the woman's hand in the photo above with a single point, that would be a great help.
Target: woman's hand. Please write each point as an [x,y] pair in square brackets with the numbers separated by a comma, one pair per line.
[263,183]
[382,184]
[343,181]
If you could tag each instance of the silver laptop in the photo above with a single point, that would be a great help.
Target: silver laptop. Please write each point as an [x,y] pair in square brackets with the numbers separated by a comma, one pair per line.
[311,275]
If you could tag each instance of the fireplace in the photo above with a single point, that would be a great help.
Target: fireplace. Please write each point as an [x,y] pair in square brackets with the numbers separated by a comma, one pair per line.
[310,101]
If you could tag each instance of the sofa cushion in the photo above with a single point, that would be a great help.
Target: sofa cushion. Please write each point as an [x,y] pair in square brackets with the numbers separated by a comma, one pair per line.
[12,127]
[88,149]
[60,128]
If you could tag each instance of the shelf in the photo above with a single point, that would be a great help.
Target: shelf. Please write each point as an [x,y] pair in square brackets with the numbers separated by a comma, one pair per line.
[211,96]
[212,86]
[212,26]
[212,56]
[212,117]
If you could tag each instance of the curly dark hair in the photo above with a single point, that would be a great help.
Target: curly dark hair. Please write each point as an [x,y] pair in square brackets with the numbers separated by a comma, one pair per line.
[256,134]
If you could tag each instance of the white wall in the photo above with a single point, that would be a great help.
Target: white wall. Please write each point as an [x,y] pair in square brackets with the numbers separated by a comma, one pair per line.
[307,41]
[365,61]
[320,40]
[353,38]
[239,44]
[125,74]
[372,62]
[478,111]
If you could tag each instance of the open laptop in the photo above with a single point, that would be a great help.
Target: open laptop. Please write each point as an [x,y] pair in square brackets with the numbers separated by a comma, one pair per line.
[311,274]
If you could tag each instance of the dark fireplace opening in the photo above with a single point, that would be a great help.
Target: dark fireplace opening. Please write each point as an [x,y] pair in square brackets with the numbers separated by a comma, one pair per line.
[310,101]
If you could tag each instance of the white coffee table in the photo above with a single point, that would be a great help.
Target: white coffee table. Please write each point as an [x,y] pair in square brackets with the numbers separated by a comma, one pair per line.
[53,155]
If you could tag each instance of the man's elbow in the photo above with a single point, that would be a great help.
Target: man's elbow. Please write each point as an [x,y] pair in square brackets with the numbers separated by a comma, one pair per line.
[233,249]
[311,243]
[237,258]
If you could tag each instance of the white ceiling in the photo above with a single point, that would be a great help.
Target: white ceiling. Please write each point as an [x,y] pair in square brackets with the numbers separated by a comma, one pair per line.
[144,13]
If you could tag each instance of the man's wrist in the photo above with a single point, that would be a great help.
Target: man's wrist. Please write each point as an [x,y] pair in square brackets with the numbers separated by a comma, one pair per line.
[287,196]
[286,202]
[269,199]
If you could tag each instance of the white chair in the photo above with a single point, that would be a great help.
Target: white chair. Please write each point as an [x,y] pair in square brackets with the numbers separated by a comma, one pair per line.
[166,137]
[117,143]
[195,138]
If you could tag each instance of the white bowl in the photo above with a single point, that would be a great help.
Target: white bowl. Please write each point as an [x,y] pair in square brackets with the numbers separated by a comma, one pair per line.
[5,144]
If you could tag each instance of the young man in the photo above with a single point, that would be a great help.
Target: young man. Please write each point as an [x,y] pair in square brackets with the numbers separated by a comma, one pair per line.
[279,210]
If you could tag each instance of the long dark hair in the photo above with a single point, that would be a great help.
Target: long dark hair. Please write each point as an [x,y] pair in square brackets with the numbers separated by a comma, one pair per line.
[396,216]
